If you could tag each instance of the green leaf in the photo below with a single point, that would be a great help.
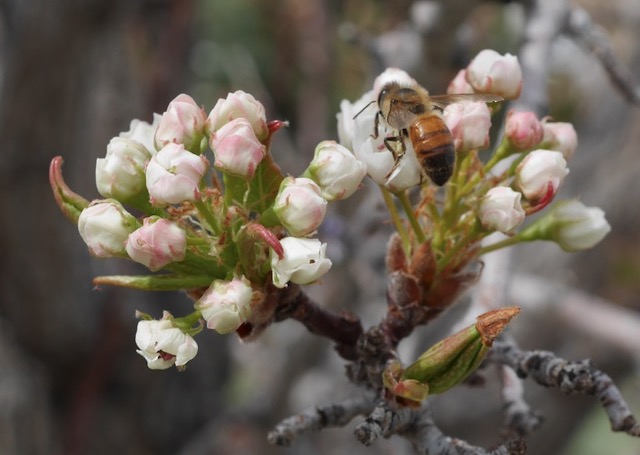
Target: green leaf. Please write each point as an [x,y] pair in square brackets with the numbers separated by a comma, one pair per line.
[155,282]
[262,188]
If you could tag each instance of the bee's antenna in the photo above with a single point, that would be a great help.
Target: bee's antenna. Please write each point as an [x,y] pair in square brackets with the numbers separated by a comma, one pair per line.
[362,110]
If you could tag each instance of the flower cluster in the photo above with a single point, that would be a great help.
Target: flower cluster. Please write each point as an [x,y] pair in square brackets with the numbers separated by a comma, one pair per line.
[216,217]
[231,234]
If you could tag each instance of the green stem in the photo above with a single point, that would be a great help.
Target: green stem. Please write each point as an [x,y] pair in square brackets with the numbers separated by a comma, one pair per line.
[411,216]
[501,244]
[207,214]
[468,238]
[397,221]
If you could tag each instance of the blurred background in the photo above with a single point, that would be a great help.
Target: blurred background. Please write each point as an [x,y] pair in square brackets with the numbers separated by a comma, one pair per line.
[74,74]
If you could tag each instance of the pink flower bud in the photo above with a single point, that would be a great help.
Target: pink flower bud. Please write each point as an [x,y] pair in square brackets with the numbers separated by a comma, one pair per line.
[490,72]
[560,136]
[537,171]
[336,170]
[182,123]
[523,129]
[173,175]
[143,132]
[104,226]
[459,84]
[500,210]
[157,243]
[226,304]
[300,206]
[469,123]
[163,345]
[304,262]
[120,175]
[237,149]
[239,105]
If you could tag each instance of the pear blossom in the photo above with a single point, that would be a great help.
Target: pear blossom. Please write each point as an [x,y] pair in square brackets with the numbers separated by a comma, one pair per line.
[469,123]
[300,206]
[143,132]
[459,84]
[523,129]
[239,104]
[490,72]
[304,261]
[389,75]
[538,171]
[237,149]
[163,345]
[577,227]
[182,123]
[355,128]
[121,173]
[157,243]
[105,226]
[560,136]
[226,304]
[336,170]
[500,210]
[173,175]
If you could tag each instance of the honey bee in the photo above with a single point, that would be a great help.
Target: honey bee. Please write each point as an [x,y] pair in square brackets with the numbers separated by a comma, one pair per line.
[415,114]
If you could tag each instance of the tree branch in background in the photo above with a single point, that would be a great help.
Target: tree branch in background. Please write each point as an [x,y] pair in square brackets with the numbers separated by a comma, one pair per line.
[549,370]
[582,29]
[317,418]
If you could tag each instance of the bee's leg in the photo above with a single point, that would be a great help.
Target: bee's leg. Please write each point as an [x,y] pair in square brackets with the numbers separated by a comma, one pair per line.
[394,151]
[376,124]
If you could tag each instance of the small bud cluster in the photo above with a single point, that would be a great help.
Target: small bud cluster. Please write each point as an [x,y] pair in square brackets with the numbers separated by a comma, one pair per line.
[230,234]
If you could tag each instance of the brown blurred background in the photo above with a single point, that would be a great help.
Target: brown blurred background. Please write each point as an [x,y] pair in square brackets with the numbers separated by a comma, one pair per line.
[73,74]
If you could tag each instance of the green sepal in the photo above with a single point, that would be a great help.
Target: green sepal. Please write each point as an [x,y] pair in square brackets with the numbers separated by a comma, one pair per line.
[257,194]
[71,204]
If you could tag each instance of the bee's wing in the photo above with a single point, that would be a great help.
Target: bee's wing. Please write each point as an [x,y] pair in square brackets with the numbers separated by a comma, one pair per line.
[441,101]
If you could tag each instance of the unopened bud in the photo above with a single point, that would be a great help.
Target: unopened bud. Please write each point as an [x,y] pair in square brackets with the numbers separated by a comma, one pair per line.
[490,72]
[450,361]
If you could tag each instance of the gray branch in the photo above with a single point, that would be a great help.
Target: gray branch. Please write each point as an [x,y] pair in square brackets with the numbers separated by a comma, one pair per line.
[549,370]
[417,425]
[519,418]
[581,28]
[318,417]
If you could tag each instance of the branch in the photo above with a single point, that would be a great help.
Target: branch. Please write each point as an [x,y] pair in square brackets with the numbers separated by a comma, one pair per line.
[519,418]
[592,36]
[344,328]
[570,377]
[419,428]
[317,418]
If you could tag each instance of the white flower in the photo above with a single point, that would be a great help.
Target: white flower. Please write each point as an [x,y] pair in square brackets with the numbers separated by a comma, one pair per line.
[226,304]
[120,175]
[500,210]
[336,170]
[540,171]
[239,105]
[163,345]
[173,175]
[300,206]
[182,123]
[490,72]
[560,136]
[157,243]
[356,134]
[237,149]
[396,75]
[577,227]
[304,261]
[104,226]
[469,123]
[143,132]
[523,129]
